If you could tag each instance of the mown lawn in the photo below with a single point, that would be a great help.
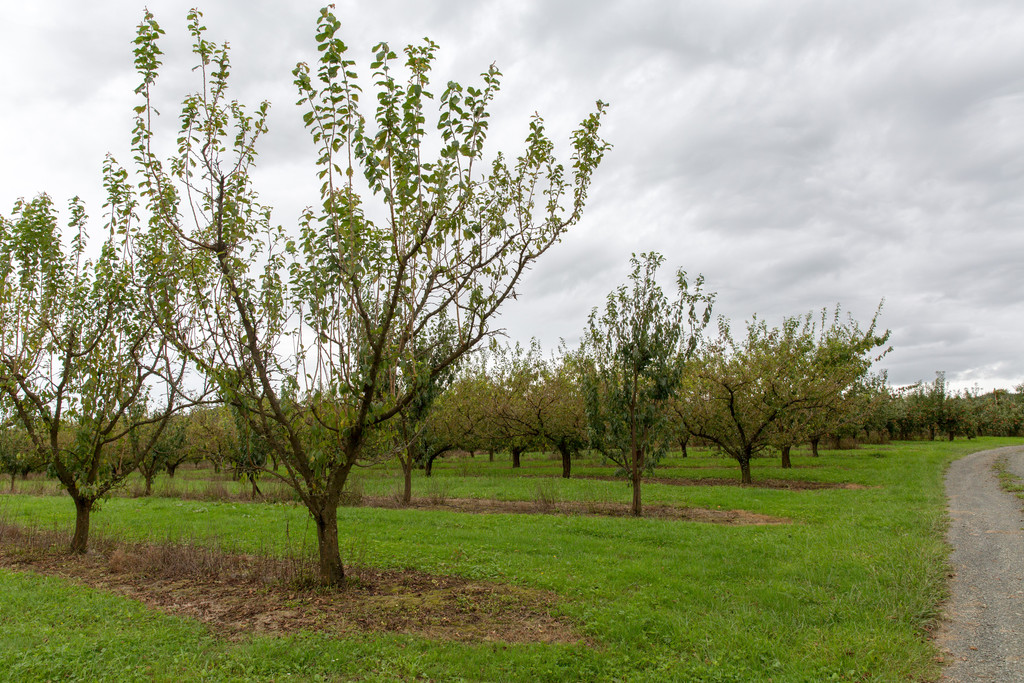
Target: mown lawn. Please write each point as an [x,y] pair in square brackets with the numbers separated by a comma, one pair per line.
[845,592]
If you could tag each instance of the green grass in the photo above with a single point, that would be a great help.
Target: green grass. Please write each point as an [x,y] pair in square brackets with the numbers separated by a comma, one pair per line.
[843,593]
[1009,482]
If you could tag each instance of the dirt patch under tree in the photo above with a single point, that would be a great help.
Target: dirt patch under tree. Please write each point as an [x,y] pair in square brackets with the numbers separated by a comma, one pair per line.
[590,508]
[235,594]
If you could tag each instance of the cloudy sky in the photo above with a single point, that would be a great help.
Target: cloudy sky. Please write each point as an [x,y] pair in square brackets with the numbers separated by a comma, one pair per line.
[798,153]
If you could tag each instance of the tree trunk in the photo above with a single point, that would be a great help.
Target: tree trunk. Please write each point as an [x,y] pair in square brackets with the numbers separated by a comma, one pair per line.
[951,435]
[786,464]
[80,541]
[407,474]
[13,475]
[635,474]
[149,485]
[682,446]
[255,489]
[516,452]
[814,445]
[566,461]
[331,571]
[490,455]
[170,470]
[745,471]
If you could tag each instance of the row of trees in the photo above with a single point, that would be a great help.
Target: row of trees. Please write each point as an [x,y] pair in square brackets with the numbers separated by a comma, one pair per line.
[351,339]
[930,410]
[646,378]
[513,399]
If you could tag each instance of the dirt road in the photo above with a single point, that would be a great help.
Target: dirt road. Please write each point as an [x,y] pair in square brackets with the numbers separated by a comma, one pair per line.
[983,636]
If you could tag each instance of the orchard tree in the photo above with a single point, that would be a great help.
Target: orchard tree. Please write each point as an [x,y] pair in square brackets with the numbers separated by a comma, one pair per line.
[304,333]
[543,399]
[210,435]
[78,363]
[458,420]
[536,402]
[128,450]
[1001,413]
[961,415]
[882,408]
[763,388]
[740,389]
[636,352]
[410,428]
[249,451]
[17,456]
[840,379]
[514,377]
[929,409]
[565,416]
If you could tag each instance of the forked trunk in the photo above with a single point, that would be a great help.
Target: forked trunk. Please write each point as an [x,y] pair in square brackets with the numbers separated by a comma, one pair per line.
[331,571]
[814,445]
[786,464]
[149,485]
[80,541]
[682,447]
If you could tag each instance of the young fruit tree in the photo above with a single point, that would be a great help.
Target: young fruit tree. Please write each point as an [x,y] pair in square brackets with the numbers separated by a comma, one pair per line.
[636,353]
[81,370]
[321,337]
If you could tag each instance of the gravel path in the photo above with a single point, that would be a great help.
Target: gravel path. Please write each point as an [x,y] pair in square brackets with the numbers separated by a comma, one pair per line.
[983,637]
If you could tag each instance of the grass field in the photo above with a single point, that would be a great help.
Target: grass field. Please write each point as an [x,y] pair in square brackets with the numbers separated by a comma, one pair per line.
[846,591]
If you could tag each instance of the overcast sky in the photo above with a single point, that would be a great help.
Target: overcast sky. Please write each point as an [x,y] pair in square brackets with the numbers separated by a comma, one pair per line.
[799,154]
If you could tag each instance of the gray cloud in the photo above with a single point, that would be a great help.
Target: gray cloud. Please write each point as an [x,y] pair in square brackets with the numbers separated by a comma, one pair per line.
[798,154]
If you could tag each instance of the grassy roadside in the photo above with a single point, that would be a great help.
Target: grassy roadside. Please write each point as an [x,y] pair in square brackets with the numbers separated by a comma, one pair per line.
[1009,481]
[845,592]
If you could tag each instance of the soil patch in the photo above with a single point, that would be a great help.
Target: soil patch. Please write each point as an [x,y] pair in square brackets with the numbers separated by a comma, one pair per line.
[239,594]
[594,508]
[788,484]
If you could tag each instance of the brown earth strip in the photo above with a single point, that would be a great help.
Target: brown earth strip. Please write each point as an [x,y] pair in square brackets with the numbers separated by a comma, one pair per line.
[586,508]
[784,484]
[240,594]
